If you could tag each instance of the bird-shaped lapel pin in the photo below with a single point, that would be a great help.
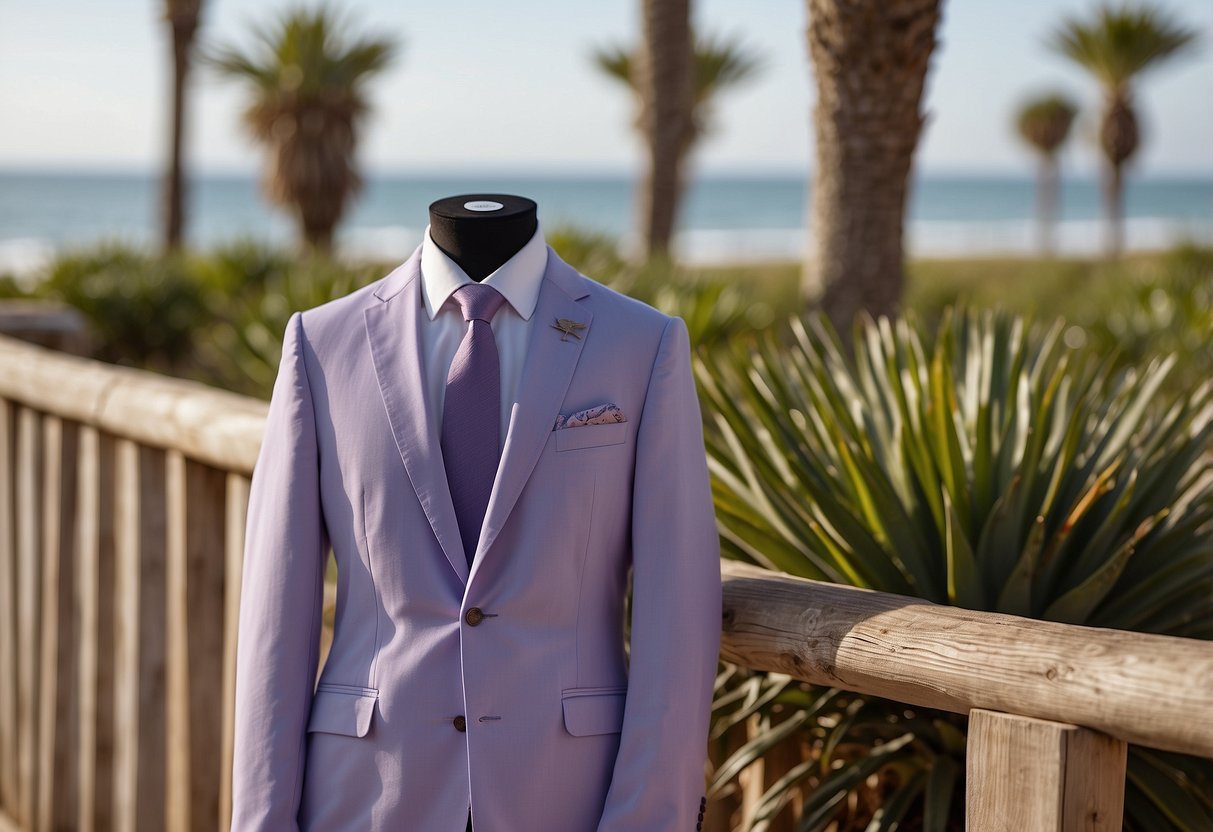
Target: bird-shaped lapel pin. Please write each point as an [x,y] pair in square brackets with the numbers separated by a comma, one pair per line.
[568,327]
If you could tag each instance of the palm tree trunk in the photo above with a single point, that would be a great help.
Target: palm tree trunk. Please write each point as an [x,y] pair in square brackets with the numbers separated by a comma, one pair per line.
[316,238]
[1113,200]
[183,23]
[870,60]
[663,79]
[1047,202]
[1118,139]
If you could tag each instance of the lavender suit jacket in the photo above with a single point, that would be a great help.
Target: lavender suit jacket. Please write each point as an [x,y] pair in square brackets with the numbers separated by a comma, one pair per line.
[505,687]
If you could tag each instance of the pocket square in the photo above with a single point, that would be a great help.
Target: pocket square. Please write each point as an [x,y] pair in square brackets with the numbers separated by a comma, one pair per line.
[599,415]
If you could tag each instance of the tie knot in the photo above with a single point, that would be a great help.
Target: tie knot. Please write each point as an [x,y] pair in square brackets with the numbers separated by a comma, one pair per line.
[477,301]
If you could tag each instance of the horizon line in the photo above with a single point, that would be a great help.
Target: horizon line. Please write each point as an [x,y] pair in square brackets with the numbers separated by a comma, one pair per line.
[565,171]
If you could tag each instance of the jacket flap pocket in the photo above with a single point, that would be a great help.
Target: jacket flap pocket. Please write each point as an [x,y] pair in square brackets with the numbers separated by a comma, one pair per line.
[342,711]
[588,436]
[593,712]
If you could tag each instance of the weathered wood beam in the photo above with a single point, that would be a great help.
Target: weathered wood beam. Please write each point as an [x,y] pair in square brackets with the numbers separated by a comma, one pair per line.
[214,426]
[913,651]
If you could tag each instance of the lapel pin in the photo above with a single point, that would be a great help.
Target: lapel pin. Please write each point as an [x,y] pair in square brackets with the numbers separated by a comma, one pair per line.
[568,327]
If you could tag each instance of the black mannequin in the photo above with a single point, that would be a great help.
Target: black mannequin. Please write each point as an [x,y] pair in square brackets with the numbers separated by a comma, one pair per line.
[484,236]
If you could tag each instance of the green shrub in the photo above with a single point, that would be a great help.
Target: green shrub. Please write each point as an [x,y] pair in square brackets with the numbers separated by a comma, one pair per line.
[991,467]
[715,308]
[141,310]
[1164,306]
[1149,304]
[253,292]
[216,317]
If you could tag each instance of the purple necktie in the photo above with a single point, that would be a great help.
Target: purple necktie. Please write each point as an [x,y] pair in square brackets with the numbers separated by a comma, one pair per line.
[471,413]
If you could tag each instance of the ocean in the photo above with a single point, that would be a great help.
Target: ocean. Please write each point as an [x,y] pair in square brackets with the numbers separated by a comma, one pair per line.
[725,218]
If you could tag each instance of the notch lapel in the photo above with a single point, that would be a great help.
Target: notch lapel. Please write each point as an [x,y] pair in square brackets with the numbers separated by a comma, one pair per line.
[393,328]
[546,374]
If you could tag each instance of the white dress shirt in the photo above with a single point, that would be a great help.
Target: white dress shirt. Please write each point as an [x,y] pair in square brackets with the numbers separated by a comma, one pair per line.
[517,279]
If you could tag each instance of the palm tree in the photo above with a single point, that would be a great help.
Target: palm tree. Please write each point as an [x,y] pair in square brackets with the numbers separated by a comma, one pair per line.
[1115,46]
[1044,123]
[717,63]
[307,79]
[869,60]
[662,74]
[182,17]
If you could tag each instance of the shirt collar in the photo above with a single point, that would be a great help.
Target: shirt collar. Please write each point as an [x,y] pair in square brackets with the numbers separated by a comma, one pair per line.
[518,279]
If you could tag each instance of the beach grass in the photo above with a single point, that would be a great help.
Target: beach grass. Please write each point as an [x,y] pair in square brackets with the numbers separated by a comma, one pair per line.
[1022,283]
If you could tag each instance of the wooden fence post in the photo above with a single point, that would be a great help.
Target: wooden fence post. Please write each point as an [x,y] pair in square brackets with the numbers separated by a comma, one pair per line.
[1034,774]
[139,638]
[95,633]
[59,686]
[195,585]
[28,583]
[235,515]
[9,784]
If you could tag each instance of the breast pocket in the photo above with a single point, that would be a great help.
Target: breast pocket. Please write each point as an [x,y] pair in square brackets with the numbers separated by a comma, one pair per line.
[591,436]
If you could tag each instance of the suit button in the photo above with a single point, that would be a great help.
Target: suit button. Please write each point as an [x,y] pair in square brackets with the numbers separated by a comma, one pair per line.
[461,724]
[473,616]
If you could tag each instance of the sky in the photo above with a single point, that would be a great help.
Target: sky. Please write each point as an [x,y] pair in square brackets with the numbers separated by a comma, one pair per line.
[491,86]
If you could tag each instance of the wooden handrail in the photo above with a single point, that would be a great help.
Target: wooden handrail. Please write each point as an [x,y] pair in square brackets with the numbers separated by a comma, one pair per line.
[914,651]
[210,425]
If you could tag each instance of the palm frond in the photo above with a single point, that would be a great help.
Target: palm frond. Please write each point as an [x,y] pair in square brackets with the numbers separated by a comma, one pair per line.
[1120,41]
[1044,122]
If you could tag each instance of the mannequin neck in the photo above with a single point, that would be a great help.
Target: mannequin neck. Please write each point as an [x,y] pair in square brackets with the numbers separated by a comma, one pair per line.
[481,240]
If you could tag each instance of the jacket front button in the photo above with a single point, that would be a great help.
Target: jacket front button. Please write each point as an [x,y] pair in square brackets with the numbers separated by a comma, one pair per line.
[474,616]
[461,724]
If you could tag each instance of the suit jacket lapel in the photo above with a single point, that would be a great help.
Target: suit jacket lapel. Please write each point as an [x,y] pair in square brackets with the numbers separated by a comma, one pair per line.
[393,327]
[546,373]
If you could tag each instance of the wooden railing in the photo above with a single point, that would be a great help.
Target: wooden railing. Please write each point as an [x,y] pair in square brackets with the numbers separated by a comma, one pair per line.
[122,512]
[122,500]
[1051,705]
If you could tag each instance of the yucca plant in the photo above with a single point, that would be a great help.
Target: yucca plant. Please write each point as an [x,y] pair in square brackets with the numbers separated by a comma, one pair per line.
[990,466]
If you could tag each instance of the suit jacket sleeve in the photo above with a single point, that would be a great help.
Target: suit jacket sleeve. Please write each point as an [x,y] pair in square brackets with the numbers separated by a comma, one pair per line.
[281,600]
[658,779]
